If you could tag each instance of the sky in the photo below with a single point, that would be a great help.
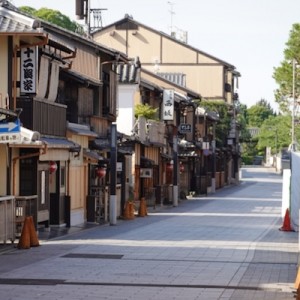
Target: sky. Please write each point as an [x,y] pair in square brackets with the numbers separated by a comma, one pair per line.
[249,34]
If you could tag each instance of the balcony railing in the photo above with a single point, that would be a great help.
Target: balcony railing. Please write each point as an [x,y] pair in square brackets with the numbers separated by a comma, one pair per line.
[45,117]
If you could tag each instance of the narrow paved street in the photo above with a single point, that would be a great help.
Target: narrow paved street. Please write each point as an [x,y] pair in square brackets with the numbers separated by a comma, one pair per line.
[224,246]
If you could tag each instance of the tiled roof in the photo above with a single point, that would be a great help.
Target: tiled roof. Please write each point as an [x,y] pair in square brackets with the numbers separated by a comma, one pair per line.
[13,22]
[61,143]
[81,129]
[92,155]
[129,73]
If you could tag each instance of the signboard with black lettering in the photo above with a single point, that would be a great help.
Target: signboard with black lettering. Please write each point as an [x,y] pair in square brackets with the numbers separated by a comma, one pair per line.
[28,70]
[168,105]
[185,128]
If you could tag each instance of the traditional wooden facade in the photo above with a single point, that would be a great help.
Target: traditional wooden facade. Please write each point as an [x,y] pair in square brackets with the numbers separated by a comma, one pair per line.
[69,103]
[153,139]
[178,62]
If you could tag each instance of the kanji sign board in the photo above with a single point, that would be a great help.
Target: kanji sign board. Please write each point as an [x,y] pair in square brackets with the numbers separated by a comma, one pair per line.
[28,70]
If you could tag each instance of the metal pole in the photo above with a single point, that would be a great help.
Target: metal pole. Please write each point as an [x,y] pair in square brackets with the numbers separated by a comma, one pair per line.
[113,175]
[213,173]
[175,170]
[293,107]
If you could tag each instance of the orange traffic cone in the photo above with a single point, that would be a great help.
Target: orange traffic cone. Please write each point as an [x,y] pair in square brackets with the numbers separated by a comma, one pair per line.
[34,242]
[286,222]
[24,241]
[143,208]
[128,211]
[297,285]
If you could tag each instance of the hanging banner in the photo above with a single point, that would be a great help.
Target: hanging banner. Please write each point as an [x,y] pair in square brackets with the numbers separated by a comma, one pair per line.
[168,105]
[28,70]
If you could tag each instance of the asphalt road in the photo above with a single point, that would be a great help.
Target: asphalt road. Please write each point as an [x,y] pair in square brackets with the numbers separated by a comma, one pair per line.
[224,246]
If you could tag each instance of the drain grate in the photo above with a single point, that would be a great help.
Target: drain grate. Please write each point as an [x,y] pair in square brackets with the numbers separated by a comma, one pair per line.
[94,256]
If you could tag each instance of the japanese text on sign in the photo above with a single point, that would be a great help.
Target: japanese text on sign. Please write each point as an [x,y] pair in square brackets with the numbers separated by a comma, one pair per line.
[185,128]
[28,70]
[168,105]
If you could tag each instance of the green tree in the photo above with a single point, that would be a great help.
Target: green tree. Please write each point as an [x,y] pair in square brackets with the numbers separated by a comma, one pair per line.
[54,17]
[283,74]
[247,145]
[275,133]
[223,126]
[242,121]
[258,113]
[254,117]
[145,110]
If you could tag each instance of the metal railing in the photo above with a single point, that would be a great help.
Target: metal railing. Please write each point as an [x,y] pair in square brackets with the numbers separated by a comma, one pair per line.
[25,206]
[149,195]
[7,219]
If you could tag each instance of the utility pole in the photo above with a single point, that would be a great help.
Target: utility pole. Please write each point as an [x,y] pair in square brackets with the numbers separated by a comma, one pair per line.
[293,106]
[113,176]
[175,169]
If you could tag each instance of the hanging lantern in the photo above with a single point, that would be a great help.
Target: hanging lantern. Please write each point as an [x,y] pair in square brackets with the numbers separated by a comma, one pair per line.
[100,172]
[52,167]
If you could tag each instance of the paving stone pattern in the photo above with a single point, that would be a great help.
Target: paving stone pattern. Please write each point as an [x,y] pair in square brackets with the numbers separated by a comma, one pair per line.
[224,246]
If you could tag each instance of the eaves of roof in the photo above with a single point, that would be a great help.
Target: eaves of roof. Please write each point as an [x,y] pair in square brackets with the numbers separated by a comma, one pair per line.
[11,22]
[150,86]
[81,78]
[61,143]
[81,129]
[14,23]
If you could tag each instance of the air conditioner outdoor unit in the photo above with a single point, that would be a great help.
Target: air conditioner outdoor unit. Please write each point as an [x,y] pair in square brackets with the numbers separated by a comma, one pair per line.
[146,173]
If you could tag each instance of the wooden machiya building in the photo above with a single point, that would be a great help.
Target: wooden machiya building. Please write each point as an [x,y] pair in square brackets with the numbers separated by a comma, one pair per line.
[152,138]
[69,102]
[177,62]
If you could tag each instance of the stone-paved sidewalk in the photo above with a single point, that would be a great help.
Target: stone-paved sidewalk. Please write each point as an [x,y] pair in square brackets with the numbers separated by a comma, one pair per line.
[224,246]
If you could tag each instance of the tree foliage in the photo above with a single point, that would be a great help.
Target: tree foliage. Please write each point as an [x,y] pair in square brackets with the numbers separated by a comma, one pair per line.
[283,74]
[145,110]
[275,132]
[54,17]
[254,117]
[258,113]
[223,126]
[242,118]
